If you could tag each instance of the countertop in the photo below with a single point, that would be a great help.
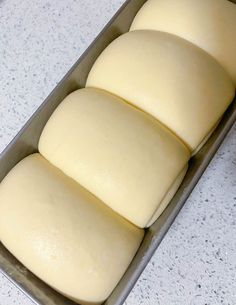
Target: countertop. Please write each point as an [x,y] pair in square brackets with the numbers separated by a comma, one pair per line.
[196,262]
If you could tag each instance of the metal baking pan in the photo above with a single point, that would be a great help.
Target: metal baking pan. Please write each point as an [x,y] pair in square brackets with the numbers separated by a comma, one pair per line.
[26,142]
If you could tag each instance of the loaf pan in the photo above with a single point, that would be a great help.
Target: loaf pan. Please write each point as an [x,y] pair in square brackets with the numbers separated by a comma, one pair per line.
[26,142]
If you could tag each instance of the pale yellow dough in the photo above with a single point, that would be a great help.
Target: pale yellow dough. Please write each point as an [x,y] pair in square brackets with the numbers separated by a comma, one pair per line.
[168,196]
[120,154]
[170,78]
[62,233]
[210,24]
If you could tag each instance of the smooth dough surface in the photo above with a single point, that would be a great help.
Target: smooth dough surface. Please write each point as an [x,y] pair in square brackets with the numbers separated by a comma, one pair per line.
[210,24]
[62,233]
[120,154]
[168,196]
[170,78]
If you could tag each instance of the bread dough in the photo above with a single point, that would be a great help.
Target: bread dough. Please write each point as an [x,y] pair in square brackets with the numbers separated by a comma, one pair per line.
[207,137]
[168,77]
[168,196]
[210,24]
[62,233]
[120,154]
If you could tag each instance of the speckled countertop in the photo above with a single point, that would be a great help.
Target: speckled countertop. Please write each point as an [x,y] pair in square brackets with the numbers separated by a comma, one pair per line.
[196,262]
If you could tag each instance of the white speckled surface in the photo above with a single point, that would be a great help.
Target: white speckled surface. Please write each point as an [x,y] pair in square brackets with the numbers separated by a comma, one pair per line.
[196,262]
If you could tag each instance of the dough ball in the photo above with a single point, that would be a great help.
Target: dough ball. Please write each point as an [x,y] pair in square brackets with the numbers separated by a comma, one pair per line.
[62,233]
[210,24]
[120,154]
[170,78]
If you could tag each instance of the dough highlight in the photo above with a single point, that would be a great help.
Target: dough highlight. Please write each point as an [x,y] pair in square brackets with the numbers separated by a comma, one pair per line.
[209,24]
[62,233]
[168,77]
[119,153]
